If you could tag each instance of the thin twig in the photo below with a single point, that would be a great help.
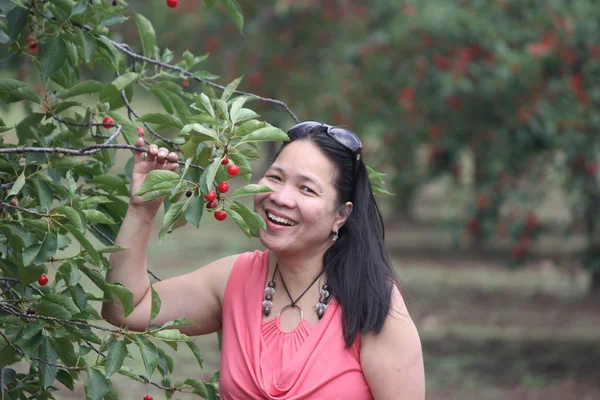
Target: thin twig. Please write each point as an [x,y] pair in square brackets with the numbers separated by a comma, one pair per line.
[59,320]
[19,351]
[130,111]
[25,210]
[9,57]
[125,49]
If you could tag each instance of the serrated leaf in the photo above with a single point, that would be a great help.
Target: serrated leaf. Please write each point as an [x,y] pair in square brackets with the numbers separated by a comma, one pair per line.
[269,133]
[148,352]
[251,189]
[207,104]
[97,217]
[252,219]
[147,34]
[208,176]
[62,301]
[198,386]
[53,54]
[125,296]
[165,362]
[53,310]
[93,200]
[171,335]
[162,119]
[112,182]
[235,11]
[194,129]
[70,214]
[98,386]
[90,46]
[88,247]
[236,106]
[128,372]
[196,351]
[378,189]
[117,350]
[85,87]
[230,88]
[171,216]
[156,180]
[173,324]
[18,185]
[162,97]
[156,303]
[239,221]
[17,20]
[193,214]
[18,91]
[47,353]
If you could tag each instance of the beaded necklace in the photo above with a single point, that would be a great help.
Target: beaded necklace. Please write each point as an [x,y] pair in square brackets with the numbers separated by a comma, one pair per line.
[320,307]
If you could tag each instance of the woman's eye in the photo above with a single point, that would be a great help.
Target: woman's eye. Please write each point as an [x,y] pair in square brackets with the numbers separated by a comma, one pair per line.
[307,189]
[274,177]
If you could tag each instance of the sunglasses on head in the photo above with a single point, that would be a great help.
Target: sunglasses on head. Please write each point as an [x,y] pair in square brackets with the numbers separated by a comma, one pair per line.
[343,136]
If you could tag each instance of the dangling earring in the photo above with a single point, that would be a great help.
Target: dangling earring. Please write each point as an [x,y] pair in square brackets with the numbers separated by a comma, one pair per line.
[336,236]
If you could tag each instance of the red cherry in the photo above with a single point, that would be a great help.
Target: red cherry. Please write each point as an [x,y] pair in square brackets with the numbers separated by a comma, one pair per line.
[185,83]
[224,161]
[223,187]
[14,201]
[172,3]
[43,280]
[148,397]
[211,204]
[220,215]
[140,131]
[233,170]
[210,196]
[108,122]
[33,44]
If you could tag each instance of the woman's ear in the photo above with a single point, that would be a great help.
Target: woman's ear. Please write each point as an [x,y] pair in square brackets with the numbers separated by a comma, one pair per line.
[343,212]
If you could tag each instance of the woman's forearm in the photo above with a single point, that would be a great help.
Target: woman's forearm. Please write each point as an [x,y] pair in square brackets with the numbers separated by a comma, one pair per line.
[128,267]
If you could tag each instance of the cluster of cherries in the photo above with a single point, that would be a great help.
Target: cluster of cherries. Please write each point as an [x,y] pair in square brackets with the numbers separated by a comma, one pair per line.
[210,198]
[223,187]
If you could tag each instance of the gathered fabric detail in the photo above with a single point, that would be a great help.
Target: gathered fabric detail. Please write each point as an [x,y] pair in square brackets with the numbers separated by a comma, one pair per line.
[282,346]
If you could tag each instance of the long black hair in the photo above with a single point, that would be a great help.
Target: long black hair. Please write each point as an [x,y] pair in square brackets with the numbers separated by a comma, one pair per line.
[357,266]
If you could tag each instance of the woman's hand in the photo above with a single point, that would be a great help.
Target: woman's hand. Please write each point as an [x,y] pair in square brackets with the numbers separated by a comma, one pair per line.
[156,158]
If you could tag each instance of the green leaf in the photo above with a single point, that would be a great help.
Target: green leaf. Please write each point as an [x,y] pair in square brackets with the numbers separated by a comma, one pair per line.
[63,377]
[70,273]
[193,214]
[171,216]
[66,351]
[17,20]
[88,247]
[47,353]
[245,114]
[165,362]
[172,324]
[8,356]
[236,106]
[128,129]
[124,295]
[229,89]
[97,217]
[62,301]
[208,176]
[18,185]
[162,97]
[53,54]
[252,219]
[128,372]
[171,335]
[79,8]
[210,3]
[378,189]
[112,183]
[239,221]
[251,189]
[117,85]
[52,310]
[70,214]
[147,34]
[90,46]
[18,91]
[85,87]
[162,119]
[29,274]
[209,133]
[117,350]
[205,75]
[156,178]
[196,351]
[198,386]
[156,303]
[269,133]
[115,19]
[93,200]
[235,11]
[98,386]
[207,104]
[148,352]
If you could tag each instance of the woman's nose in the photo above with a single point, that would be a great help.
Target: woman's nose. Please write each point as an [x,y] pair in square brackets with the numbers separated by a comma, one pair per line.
[283,196]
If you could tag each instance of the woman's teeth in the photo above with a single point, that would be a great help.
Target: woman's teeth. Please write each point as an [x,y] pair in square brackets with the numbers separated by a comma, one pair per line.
[280,221]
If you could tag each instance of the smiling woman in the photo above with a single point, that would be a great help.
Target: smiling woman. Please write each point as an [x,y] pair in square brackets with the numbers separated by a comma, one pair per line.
[318,314]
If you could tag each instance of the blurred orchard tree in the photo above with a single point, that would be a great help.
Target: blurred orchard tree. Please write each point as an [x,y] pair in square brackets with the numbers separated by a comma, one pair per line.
[496,99]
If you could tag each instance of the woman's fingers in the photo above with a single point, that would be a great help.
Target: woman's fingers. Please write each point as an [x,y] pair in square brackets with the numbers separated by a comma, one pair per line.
[161,158]
[138,155]
[172,164]
[152,152]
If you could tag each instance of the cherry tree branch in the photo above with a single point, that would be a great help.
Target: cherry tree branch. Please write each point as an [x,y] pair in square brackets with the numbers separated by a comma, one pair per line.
[125,49]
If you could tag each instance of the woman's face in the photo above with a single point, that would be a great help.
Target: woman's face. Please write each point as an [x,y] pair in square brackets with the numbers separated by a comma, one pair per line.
[302,210]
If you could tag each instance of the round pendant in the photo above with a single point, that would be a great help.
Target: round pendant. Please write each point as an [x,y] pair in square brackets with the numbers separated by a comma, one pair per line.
[292,306]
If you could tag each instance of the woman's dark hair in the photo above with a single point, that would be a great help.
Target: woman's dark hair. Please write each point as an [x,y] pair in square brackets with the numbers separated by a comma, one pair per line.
[357,266]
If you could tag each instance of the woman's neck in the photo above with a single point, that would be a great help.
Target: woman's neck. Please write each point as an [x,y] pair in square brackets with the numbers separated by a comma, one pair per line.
[299,271]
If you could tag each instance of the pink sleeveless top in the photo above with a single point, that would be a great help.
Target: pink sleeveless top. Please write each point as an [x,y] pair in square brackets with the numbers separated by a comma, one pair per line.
[259,361]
